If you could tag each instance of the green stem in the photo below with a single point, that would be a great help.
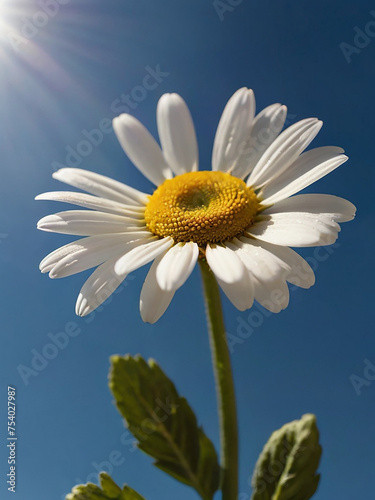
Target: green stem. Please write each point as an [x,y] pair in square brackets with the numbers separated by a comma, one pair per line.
[224,384]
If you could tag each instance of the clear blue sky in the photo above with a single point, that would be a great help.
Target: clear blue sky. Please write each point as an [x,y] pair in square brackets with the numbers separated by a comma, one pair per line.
[69,76]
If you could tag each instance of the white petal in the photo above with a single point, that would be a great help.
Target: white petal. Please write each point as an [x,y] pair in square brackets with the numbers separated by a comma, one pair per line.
[141,148]
[142,255]
[240,293]
[89,244]
[94,203]
[266,127]
[296,229]
[297,269]
[100,285]
[52,258]
[100,185]
[224,263]
[267,273]
[87,223]
[233,130]
[260,262]
[154,301]
[308,168]
[272,295]
[177,265]
[325,204]
[284,151]
[96,252]
[177,134]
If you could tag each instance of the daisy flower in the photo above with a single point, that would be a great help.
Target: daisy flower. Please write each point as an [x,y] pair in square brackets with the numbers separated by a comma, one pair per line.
[241,216]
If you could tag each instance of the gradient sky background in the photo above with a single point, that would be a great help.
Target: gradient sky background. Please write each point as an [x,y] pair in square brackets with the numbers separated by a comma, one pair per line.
[65,79]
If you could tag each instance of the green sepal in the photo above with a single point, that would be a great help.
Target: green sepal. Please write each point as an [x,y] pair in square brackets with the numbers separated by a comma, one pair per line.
[164,424]
[108,490]
[286,468]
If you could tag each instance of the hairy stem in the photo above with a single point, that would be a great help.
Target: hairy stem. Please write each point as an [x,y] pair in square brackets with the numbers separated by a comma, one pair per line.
[224,384]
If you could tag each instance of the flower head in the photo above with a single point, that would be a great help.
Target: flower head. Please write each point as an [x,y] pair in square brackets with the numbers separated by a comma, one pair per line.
[242,216]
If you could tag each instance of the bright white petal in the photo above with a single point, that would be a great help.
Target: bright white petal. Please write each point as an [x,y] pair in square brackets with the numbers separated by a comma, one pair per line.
[177,265]
[267,273]
[266,127]
[177,134]
[89,243]
[260,262]
[94,203]
[284,151]
[308,168]
[101,185]
[95,251]
[141,148]
[87,223]
[240,293]
[296,229]
[142,255]
[52,258]
[100,285]
[325,204]
[292,266]
[233,130]
[154,301]
[272,295]
[225,264]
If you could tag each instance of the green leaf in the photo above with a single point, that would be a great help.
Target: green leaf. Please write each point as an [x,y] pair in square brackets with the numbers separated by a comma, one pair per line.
[286,468]
[164,424]
[108,490]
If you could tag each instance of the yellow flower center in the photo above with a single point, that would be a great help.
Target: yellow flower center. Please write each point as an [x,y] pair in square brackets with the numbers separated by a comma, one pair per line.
[204,207]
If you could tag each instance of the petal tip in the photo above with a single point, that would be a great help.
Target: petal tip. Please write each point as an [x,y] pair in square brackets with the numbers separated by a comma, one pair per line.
[82,309]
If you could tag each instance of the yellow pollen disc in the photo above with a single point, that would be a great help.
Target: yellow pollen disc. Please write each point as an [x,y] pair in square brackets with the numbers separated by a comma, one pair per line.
[204,207]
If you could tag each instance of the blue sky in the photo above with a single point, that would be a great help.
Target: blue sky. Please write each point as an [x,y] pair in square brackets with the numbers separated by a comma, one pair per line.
[68,77]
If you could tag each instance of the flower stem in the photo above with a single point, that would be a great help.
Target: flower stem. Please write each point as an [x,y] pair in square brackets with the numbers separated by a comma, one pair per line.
[224,384]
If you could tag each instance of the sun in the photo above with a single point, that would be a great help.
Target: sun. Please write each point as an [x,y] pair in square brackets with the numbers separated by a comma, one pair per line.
[11,38]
